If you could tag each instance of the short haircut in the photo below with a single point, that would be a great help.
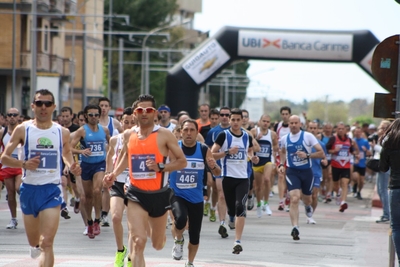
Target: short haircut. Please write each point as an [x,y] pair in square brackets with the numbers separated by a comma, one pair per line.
[205,105]
[67,109]
[104,99]
[43,92]
[226,108]
[147,98]
[92,107]
[128,111]
[236,111]
[190,121]
[214,111]
[285,108]
[245,110]
[135,104]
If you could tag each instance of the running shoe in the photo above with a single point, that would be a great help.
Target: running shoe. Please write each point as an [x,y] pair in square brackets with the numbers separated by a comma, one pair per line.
[223,231]
[65,214]
[119,260]
[232,225]
[287,208]
[287,200]
[177,249]
[129,263]
[311,221]
[212,218]
[189,264]
[72,201]
[281,206]
[90,233]
[96,228]
[250,203]
[383,220]
[206,209]
[359,196]
[237,247]
[259,212]
[35,252]
[13,224]
[295,233]
[309,211]
[343,207]
[328,198]
[268,211]
[85,232]
[338,200]
[76,207]
[271,194]
[104,221]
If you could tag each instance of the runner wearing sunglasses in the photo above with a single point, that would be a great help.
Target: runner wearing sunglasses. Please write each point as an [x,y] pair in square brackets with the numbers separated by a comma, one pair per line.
[146,151]
[95,139]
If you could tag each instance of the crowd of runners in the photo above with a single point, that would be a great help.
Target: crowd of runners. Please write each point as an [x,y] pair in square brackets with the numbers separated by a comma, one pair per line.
[174,170]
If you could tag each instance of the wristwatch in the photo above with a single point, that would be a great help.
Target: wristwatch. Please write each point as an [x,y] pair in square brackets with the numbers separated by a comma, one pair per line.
[161,166]
[227,152]
[308,155]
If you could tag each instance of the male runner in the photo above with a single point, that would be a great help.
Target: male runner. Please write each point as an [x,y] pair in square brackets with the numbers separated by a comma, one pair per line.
[188,184]
[45,144]
[145,150]
[95,138]
[11,176]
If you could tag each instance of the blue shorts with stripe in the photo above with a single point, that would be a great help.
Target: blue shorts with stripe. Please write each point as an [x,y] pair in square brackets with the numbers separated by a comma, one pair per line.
[36,198]
[300,179]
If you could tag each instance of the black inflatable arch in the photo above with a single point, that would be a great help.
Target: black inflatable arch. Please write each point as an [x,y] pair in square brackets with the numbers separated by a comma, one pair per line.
[231,43]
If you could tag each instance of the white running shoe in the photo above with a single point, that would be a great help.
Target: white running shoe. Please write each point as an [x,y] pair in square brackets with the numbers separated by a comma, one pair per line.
[268,211]
[309,211]
[13,224]
[85,231]
[259,212]
[311,221]
[35,252]
[177,249]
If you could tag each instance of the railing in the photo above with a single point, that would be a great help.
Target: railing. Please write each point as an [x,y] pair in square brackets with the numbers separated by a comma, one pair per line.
[57,6]
[39,2]
[70,6]
[42,63]
[57,64]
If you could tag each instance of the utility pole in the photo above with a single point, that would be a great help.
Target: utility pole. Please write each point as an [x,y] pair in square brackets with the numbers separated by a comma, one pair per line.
[109,51]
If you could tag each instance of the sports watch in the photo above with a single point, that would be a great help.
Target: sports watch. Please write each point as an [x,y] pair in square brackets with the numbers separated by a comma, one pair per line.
[161,166]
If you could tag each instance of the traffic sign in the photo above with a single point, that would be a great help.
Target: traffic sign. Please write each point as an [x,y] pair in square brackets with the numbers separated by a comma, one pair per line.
[385,63]
[384,105]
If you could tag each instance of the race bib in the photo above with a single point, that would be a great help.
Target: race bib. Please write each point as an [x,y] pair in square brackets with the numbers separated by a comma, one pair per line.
[186,179]
[239,157]
[48,158]
[265,151]
[97,148]
[139,167]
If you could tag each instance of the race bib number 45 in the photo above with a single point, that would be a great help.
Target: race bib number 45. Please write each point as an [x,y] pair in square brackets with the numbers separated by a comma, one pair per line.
[139,167]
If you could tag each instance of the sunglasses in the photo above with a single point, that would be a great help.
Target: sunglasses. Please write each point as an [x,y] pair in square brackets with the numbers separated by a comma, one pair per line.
[40,103]
[224,114]
[93,114]
[12,114]
[146,110]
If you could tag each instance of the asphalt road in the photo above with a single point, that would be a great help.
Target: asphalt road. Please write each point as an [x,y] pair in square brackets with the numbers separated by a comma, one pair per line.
[348,239]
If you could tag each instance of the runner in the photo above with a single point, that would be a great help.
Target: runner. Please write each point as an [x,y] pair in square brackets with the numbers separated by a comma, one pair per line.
[117,189]
[268,142]
[281,129]
[342,149]
[146,149]
[45,144]
[11,176]
[188,184]
[114,127]
[165,122]
[296,156]
[233,147]
[317,164]
[95,137]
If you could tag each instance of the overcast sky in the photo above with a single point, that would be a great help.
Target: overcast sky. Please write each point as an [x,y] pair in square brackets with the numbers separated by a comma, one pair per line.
[280,80]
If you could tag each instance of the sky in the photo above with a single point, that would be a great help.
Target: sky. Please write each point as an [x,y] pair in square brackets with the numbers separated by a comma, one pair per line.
[305,80]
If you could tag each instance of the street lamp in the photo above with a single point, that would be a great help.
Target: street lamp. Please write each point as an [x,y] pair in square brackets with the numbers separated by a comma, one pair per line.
[144,87]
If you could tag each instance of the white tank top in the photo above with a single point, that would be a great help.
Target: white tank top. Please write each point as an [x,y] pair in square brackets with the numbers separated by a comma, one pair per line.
[16,154]
[48,144]
[118,146]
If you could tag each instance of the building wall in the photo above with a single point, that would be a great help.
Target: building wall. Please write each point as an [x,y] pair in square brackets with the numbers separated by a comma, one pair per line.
[6,40]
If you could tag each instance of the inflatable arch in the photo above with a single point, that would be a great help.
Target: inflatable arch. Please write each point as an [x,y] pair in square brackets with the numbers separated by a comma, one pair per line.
[231,43]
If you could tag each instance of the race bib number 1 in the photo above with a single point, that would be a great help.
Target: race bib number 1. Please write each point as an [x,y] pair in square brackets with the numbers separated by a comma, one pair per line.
[48,158]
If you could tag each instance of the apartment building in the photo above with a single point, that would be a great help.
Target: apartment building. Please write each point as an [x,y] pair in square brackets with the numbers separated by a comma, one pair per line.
[55,62]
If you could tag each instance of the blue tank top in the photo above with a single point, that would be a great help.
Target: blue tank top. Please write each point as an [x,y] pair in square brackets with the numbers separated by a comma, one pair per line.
[188,182]
[293,161]
[110,125]
[96,141]
[316,163]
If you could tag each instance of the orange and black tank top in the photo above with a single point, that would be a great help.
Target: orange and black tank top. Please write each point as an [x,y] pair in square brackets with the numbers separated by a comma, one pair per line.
[142,177]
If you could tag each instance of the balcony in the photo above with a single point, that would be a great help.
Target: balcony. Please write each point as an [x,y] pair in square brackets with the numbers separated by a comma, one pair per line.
[57,6]
[42,5]
[56,64]
[70,6]
[44,63]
